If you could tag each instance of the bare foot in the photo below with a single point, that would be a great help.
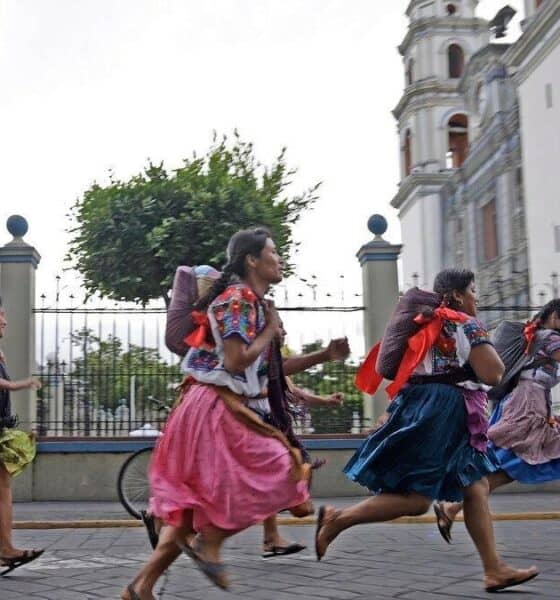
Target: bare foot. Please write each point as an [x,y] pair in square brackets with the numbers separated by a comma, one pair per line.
[505,576]
[326,531]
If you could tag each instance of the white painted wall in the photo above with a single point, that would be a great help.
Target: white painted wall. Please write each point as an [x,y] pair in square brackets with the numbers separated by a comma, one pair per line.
[541,152]
[422,238]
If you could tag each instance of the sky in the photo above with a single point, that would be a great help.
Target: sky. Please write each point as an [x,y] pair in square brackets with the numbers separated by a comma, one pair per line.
[92,85]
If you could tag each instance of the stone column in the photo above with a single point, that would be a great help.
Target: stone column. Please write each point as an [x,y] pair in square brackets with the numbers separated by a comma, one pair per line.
[378,260]
[18,262]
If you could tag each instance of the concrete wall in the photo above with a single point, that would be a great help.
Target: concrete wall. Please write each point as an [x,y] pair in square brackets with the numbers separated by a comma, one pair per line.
[92,476]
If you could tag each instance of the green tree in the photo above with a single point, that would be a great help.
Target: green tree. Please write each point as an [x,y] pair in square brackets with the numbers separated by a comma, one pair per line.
[327,379]
[104,372]
[129,236]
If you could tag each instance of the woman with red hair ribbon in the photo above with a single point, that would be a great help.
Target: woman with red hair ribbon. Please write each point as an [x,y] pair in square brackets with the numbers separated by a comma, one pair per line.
[427,449]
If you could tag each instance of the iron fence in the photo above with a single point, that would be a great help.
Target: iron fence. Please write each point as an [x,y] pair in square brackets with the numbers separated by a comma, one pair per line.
[105,372]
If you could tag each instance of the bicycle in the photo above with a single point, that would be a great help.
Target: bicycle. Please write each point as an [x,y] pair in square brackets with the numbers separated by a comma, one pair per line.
[133,487]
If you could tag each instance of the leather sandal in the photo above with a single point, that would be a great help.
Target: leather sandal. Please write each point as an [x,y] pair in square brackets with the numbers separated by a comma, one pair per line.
[271,550]
[216,572]
[13,562]
[444,523]
[511,582]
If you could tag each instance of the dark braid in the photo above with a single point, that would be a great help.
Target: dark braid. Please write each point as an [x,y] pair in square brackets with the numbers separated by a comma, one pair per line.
[452,280]
[548,309]
[246,242]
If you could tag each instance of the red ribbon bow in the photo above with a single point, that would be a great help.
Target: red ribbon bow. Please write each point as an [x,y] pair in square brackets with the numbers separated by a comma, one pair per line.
[197,338]
[529,332]
[368,379]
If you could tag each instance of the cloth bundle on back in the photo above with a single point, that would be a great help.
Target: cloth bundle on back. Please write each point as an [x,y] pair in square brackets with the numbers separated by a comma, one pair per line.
[413,329]
[517,344]
[189,284]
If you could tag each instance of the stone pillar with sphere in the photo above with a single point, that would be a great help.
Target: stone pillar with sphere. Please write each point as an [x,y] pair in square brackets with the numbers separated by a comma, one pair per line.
[18,263]
[378,259]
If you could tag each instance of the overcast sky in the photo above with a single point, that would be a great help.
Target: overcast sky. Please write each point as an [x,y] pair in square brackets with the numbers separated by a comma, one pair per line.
[92,85]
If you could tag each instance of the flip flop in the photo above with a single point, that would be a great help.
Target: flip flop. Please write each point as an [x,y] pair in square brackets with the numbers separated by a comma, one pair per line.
[214,571]
[320,518]
[510,583]
[150,525]
[444,523]
[293,548]
[13,562]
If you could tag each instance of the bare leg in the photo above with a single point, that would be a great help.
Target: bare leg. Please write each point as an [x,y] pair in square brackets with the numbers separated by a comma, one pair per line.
[382,507]
[495,480]
[6,547]
[161,559]
[274,543]
[478,521]
[272,535]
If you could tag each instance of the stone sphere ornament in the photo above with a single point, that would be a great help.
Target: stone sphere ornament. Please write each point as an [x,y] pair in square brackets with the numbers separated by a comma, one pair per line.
[377,224]
[17,226]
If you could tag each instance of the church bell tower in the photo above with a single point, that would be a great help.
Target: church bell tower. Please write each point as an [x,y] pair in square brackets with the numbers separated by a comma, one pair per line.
[432,123]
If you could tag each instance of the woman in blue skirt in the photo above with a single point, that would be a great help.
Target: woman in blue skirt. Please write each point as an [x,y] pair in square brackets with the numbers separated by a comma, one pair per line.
[433,445]
[524,434]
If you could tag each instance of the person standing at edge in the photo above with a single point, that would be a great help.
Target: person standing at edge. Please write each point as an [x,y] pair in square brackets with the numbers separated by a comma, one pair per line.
[17,450]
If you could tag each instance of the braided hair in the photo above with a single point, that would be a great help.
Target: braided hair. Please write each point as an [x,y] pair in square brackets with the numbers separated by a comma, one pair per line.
[246,242]
[452,280]
[550,308]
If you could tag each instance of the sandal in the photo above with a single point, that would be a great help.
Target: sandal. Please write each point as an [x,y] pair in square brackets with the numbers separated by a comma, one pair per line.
[512,581]
[216,572]
[13,562]
[131,592]
[150,525]
[444,523]
[292,548]
[320,518]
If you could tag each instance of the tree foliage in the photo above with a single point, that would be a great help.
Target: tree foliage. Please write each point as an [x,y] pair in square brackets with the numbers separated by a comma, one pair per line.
[129,236]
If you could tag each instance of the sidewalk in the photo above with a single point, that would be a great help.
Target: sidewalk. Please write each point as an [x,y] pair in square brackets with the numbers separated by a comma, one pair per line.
[515,506]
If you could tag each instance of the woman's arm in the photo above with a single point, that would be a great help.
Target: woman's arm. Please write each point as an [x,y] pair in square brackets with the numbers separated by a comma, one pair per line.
[310,399]
[22,384]
[336,350]
[487,364]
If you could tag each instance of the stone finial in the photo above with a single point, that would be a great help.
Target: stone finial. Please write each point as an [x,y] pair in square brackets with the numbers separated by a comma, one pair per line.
[17,226]
[377,224]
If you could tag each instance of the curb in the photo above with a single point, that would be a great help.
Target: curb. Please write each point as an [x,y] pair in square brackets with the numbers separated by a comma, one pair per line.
[422,520]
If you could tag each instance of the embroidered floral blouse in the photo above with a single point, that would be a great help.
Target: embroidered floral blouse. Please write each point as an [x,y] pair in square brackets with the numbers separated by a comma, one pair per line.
[547,375]
[451,351]
[237,311]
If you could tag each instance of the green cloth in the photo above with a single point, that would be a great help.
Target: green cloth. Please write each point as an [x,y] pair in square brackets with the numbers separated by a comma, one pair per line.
[17,450]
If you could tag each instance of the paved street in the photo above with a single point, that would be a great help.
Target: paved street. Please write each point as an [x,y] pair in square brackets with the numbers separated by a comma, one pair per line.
[373,561]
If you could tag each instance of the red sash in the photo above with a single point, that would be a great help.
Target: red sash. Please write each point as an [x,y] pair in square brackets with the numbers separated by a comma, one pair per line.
[368,379]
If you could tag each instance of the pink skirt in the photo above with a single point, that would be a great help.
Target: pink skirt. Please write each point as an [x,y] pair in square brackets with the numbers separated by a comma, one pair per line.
[229,475]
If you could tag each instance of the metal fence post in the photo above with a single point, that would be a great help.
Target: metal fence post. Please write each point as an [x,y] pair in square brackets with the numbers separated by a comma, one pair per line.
[378,259]
[18,262]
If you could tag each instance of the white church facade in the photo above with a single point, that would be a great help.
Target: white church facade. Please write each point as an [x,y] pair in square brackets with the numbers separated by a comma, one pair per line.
[463,198]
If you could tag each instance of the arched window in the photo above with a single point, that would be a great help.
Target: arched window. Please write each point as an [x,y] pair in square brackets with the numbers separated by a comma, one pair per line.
[410,72]
[458,136]
[407,154]
[451,9]
[456,58]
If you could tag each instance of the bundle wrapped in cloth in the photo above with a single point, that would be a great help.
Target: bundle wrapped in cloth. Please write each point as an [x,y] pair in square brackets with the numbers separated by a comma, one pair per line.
[189,284]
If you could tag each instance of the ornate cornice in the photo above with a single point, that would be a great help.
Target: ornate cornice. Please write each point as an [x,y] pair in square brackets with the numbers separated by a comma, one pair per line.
[426,181]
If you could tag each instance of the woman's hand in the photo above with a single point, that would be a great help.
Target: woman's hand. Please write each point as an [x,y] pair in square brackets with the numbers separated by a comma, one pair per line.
[33,384]
[336,399]
[338,349]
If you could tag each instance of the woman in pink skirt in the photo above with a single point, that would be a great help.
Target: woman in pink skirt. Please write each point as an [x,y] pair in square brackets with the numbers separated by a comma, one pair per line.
[219,468]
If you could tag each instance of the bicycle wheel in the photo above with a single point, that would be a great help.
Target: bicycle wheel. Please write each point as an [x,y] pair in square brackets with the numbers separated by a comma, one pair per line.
[132,483]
